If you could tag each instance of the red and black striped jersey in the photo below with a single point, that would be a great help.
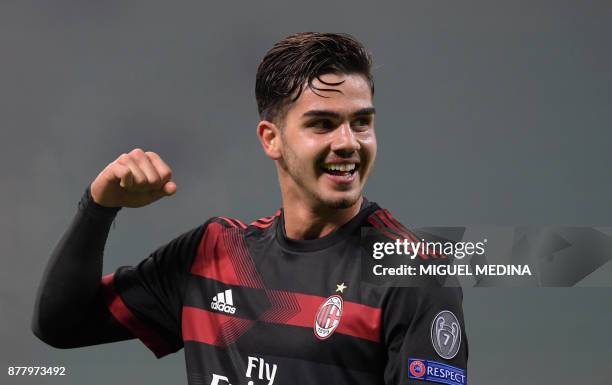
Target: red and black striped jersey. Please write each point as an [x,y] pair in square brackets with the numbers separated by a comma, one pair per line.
[250,306]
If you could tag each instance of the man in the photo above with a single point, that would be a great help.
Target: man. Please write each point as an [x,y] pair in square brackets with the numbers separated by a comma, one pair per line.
[281,300]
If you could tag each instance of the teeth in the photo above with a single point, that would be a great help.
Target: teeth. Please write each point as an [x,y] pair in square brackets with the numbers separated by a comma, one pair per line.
[340,167]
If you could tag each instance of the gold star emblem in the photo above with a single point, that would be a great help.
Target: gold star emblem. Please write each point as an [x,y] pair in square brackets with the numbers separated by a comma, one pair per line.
[340,288]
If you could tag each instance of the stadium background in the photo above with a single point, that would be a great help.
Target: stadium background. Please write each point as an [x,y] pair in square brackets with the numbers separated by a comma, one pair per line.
[488,113]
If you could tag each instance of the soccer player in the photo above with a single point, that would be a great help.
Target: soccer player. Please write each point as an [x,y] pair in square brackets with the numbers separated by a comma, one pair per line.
[280,300]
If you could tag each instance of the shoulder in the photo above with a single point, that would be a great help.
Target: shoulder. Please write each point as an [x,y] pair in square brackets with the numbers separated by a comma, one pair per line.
[384,227]
[265,222]
[224,253]
[226,225]
[224,222]
[385,223]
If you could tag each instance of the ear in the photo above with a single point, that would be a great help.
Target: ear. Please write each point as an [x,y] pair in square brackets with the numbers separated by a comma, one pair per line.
[270,137]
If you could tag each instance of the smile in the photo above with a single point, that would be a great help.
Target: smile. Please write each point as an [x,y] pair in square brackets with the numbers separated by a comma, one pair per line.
[343,174]
[339,168]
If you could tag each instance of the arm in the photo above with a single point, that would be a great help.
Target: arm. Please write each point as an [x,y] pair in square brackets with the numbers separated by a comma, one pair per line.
[424,332]
[71,304]
[70,309]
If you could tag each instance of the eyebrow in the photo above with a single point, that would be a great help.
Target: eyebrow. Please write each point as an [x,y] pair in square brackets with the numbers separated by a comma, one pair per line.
[335,115]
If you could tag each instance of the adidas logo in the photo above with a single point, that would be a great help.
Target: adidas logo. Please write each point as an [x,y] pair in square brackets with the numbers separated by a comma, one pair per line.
[223,302]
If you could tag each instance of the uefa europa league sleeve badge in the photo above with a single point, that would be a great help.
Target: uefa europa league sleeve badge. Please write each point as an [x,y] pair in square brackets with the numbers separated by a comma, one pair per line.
[446,334]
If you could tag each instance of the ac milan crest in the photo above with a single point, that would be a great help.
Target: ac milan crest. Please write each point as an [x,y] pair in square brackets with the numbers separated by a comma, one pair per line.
[328,317]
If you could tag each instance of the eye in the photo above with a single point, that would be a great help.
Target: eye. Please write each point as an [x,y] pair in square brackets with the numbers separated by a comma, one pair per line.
[322,124]
[362,123]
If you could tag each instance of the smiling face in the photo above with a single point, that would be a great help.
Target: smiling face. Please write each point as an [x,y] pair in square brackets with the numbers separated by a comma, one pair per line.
[326,148]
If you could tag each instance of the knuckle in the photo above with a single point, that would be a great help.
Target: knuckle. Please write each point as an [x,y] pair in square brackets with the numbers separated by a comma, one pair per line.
[122,171]
[123,175]
[137,152]
[116,169]
[139,180]
[166,175]
[155,180]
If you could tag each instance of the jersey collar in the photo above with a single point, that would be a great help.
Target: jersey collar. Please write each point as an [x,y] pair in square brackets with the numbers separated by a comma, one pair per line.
[329,240]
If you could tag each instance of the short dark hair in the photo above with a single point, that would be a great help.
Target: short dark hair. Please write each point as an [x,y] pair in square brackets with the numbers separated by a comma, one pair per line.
[297,60]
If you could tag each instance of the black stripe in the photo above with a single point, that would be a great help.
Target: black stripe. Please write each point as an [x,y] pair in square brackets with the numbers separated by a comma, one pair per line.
[341,351]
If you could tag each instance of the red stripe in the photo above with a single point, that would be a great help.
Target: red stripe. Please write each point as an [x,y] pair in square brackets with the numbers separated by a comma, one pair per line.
[399,225]
[406,233]
[240,258]
[386,216]
[122,313]
[265,220]
[395,221]
[234,222]
[380,227]
[321,318]
[357,320]
[261,226]
[218,329]
[223,261]
[380,214]
[212,260]
[229,221]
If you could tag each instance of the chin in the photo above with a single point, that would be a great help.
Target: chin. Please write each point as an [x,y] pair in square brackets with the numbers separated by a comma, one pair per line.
[343,201]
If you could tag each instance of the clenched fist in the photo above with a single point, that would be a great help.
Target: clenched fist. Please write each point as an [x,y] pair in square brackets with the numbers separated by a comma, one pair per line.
[133,180]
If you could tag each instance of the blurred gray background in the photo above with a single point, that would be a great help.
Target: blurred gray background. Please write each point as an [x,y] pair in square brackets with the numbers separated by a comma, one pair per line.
[488,113]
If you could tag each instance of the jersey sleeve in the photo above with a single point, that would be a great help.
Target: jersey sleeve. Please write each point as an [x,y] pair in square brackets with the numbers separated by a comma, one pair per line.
[424,332]
[147,298]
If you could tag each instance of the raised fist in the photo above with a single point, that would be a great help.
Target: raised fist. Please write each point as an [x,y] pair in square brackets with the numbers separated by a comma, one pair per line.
[133,180]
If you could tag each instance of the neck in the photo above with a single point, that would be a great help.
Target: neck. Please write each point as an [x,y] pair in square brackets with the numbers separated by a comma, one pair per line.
[303,221]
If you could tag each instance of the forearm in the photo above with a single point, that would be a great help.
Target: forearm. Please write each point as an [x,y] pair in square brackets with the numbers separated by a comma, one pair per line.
[69,300]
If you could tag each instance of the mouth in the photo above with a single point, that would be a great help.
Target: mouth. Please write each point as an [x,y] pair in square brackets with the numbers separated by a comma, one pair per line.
[340,172]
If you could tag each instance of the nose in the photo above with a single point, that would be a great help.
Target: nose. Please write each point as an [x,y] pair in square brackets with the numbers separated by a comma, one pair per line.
[345,142]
